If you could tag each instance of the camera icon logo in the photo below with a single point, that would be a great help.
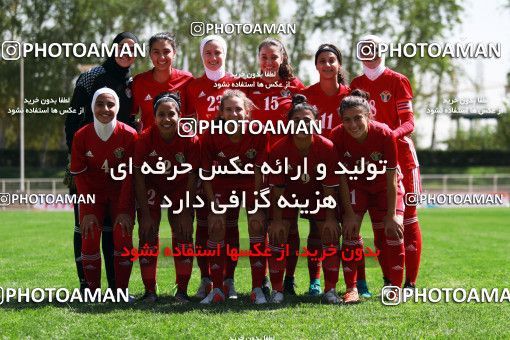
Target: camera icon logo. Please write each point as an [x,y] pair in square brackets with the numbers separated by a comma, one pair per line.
[391,295]
[11,50]
[366,50]
[197,29]
[187,127]
[5,199]
[411,199]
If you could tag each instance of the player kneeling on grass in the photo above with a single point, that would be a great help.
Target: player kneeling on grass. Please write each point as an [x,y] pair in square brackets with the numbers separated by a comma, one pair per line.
[218,149]
[361,140]
[310,185]
[161,147]
[98,147]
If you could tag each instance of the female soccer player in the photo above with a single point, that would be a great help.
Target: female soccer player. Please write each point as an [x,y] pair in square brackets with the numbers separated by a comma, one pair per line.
[97,148]
[161,147]
[115,74]
[326,95]
[391,102]
[250,151]
[204,96]
[311,185]
[273,91]
[272,98]
[368,145]
[162,78]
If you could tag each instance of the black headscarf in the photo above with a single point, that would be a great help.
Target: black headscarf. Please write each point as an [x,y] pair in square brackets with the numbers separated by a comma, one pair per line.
[111,65]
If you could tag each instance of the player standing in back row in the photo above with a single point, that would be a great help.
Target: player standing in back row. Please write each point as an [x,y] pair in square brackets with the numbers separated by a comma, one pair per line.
[391,103]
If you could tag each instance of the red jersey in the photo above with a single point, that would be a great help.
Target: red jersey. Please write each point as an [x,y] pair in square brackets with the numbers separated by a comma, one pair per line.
[152,148]
[391,102]
[203,96]
[379,146]
[218,149]
[145,89]
[327,106]
[92,159]
[272,103]
[322,151]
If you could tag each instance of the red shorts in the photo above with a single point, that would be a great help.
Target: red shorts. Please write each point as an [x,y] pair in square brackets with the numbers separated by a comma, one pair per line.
[376,202]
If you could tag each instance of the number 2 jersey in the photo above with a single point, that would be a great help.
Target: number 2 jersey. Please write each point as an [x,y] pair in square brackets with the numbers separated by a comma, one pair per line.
[391,103]
[151,148]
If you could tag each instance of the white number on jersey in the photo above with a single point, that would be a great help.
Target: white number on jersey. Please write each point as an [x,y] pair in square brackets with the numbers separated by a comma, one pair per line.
[327,121]
[214,103]
[151,194]
[372,107]
[105,166]
[353,196]
[271,103]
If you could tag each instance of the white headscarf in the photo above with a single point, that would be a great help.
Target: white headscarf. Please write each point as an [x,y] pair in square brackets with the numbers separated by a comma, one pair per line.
[219,73]
[104,131]
[373,73]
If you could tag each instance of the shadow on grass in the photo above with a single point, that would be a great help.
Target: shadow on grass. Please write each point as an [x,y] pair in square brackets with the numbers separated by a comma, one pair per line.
[168,305]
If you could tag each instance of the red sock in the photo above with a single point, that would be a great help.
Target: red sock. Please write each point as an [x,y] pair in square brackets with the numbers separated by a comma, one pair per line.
[122,265]
[292,259]
[217,263]
[91,258]
[361,265]
[314,244]
[149,265]
[183,266]
[379,239]
[202,235]
[394,257]
[257,264]
[351,261]
[276,267]
[330,266]
[412,243]
[232,239]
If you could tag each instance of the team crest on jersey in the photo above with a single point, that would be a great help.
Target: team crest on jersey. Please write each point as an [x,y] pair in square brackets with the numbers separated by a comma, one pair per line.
[285,93]
[305,178]
[251,153]
[376,156]
[148,97]
[385,96]
[347,154]
[238,162]
[119,152]
[180,157]
[153,153]
[221,154]
[89,154]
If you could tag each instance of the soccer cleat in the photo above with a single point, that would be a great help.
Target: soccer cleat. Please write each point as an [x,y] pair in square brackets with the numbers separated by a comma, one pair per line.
[351,296]
[289,287]
[315,288]
[257,296]
[204,288]
[229,289]
[266,288]
[409,285]
[214,296]
[363,289]
[149,297]
[331,297]
[276,297]
[182,297]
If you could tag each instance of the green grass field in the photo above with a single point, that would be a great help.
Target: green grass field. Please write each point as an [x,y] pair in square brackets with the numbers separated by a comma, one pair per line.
[461,248]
